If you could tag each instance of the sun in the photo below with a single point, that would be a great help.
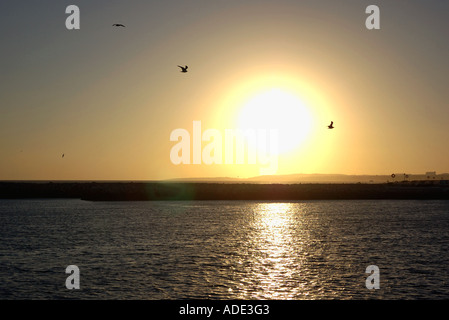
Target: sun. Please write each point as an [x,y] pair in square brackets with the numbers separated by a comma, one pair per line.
[279,110]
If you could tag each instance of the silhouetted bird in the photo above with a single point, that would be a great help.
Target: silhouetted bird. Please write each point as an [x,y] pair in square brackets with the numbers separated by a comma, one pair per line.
[331,126]
[183,69]
[118,25]
[63,155]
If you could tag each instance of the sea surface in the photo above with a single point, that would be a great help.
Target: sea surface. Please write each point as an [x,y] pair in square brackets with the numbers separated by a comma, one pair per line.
[224,249]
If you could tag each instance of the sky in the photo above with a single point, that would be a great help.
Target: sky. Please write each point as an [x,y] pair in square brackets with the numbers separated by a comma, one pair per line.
[110,98]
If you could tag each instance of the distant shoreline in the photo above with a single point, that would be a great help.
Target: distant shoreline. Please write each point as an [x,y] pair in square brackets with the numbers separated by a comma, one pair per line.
[170,191]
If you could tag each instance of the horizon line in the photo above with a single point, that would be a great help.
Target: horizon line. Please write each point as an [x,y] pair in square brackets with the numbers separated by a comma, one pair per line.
[260,177]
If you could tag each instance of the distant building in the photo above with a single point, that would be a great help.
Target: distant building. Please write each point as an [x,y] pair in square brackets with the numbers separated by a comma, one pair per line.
[431,174]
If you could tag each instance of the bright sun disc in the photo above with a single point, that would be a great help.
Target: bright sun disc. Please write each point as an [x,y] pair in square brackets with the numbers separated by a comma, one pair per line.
[281,111]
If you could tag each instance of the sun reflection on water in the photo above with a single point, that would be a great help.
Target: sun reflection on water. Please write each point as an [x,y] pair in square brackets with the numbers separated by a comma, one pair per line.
[272,257]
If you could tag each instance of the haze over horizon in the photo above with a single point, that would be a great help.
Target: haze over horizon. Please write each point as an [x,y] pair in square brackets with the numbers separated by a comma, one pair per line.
[109,98]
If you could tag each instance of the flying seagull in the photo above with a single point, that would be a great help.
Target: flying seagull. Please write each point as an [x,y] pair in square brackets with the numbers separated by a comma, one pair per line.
[118,25]
[331,126]
[183,69]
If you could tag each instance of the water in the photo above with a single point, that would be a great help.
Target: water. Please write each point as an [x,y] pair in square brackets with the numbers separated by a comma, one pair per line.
[224,249]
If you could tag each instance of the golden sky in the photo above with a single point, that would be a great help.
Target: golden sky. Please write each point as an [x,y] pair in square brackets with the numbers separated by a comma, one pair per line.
[109,98]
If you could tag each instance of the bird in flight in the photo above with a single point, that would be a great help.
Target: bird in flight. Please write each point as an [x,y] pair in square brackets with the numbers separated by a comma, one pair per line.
[331,126]
[183,69]
[63,155]
[118,25]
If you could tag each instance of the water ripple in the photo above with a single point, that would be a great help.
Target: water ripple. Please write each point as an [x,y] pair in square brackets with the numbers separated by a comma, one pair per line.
[224,250]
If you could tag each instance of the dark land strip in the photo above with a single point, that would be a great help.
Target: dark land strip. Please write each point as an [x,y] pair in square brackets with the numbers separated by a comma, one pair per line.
[164,191]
